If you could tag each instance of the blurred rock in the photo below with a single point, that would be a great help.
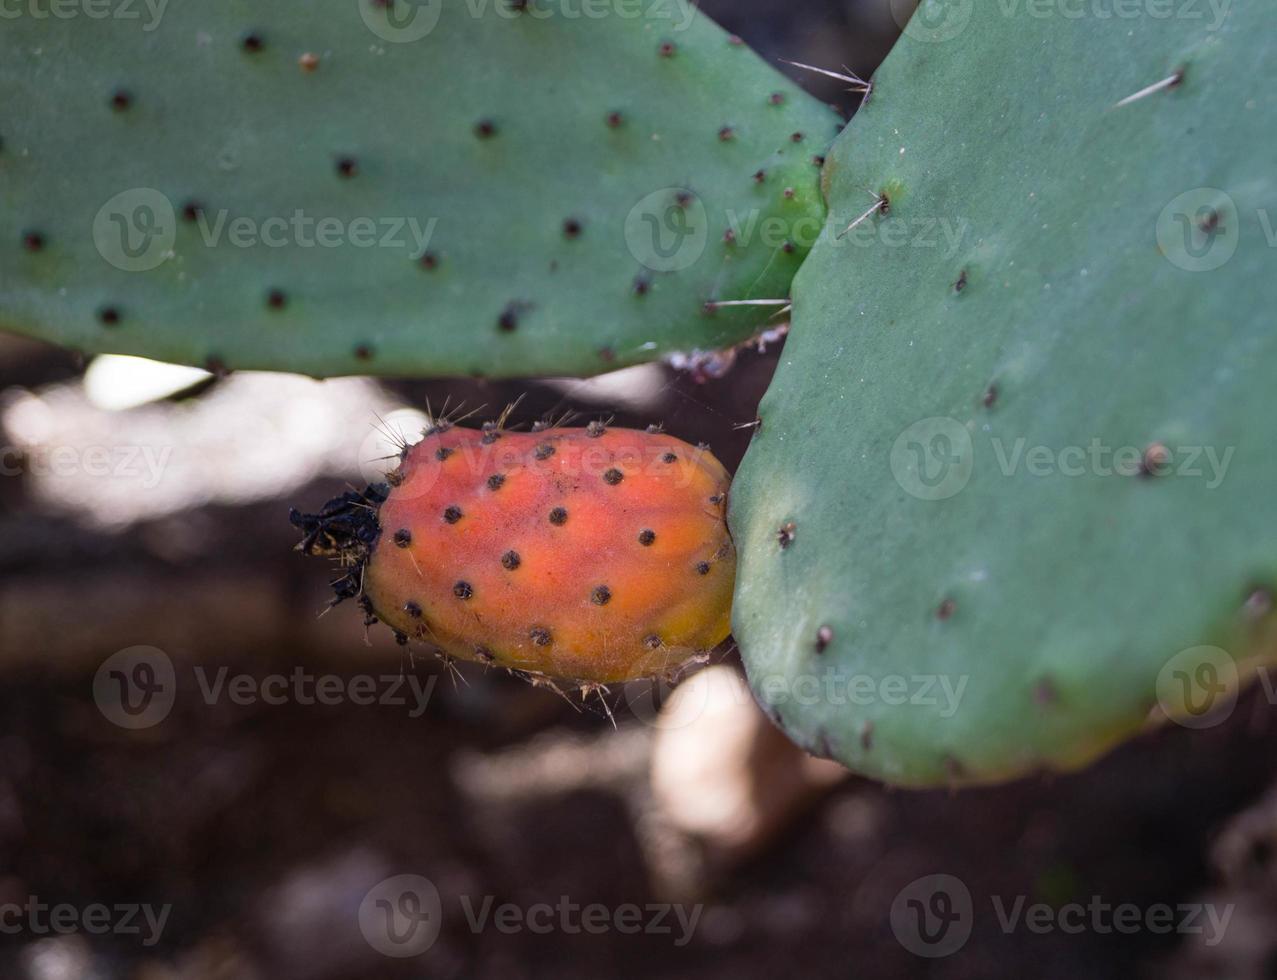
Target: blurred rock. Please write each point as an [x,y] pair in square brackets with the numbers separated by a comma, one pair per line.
[722,773]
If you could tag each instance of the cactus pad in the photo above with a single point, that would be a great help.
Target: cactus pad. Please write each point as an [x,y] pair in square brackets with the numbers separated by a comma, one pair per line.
[356,186]
[1013,491]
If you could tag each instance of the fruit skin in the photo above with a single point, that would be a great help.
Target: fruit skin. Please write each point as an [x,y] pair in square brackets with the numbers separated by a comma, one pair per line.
[519,143]
[597,554]
[1071,310]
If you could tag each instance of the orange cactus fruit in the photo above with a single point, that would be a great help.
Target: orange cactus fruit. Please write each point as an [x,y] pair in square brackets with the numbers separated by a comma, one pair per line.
[597,554]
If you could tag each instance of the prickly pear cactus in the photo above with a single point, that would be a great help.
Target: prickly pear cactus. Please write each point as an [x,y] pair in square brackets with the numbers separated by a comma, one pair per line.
[595,554]
[356,186]
[1013,490]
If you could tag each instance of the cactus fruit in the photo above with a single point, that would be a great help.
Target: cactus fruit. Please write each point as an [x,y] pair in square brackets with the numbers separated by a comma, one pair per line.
[437,188]
[596,554]
[940,583]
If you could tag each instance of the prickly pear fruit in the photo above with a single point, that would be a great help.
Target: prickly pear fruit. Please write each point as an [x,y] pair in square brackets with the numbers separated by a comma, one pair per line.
[598,554]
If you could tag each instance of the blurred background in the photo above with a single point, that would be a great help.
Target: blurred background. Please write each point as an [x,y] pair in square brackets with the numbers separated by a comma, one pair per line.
[143,527]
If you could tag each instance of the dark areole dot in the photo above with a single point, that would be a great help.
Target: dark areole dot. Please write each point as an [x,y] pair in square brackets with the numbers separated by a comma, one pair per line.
[667,49]
[544,451]
[601,595]
[508,321]
[364,352]
[796,137]
[412,609]
[613,476]
[462,590]
[253,43]
[572,228]
[558,516]
[652,641]
[776,98]
[726,133]
[540,636]
[496,481]
[347,167]
[442,453]
[702,568]
[452,514]
[429,260]
[485,129]
[276,299]
[192,210]
[669,458]
[947,609]
[109,316]
[760,176]
[641,285]
[403,537]
[646,537]
[121,100]
[615,119]
[33,241]
[511,560]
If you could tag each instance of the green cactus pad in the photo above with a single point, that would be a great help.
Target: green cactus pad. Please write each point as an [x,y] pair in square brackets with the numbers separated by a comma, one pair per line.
[936,494]
[237,184]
